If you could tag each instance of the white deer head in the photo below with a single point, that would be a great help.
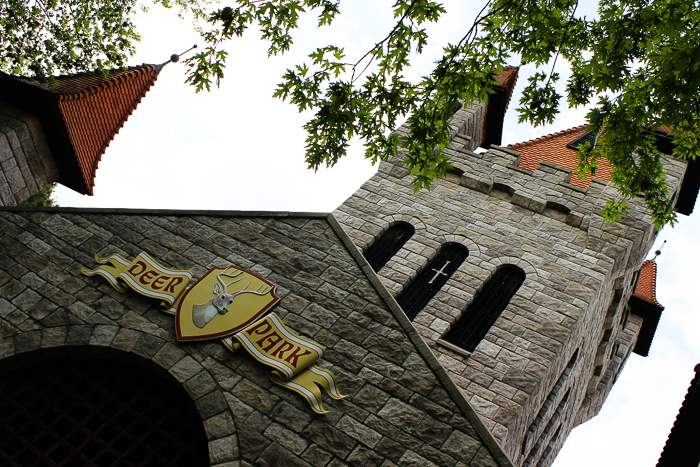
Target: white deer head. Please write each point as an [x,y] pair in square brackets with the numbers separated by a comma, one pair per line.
[203,313]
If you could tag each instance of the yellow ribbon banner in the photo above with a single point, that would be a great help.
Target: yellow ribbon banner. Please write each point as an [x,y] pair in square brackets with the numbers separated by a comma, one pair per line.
[270,342]
[144,275]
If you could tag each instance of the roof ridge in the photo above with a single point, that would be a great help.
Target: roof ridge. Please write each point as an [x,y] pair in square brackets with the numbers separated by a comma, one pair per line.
[128,69]
[108,83]
[682,428]
[549,136]
[77,85]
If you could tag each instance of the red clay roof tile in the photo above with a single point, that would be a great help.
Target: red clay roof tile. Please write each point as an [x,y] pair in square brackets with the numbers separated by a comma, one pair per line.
[681,446]
[95,109]
[552,149]
[646,285]
[507,79]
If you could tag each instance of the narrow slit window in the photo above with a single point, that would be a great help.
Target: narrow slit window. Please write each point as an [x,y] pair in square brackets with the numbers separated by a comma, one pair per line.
[386,246]
[487,306]
[416,295]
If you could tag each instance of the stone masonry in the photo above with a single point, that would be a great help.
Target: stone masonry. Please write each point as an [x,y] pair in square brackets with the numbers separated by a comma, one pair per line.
[551,358]
[401,407]
[26,163]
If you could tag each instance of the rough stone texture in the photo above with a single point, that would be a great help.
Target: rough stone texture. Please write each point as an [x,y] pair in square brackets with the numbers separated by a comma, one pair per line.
[26,163]
[578,270]
[401,408]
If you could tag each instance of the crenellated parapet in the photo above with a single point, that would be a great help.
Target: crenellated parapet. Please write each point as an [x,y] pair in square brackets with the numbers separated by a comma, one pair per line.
[550,358]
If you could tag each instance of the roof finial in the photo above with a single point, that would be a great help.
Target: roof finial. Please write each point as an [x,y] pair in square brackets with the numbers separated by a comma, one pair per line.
[174,58]
[658,252]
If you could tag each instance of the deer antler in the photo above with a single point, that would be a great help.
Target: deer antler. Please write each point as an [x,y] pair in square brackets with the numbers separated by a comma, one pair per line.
[265,289]
[225,286]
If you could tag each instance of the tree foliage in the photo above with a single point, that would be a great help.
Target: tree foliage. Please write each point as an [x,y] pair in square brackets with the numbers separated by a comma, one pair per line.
[636,63]
[42,198]
[42,38]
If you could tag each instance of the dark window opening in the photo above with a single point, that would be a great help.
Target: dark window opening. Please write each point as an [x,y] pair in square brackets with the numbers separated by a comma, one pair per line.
[428,282]
[487,306]
[97,412]
[635,280]
[587,137]
[625,317]
[386,246]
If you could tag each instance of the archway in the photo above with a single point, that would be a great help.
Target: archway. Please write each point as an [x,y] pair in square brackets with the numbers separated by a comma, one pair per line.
[98,412]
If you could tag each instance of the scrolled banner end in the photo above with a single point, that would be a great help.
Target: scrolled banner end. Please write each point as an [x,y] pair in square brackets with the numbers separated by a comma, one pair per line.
[292,358]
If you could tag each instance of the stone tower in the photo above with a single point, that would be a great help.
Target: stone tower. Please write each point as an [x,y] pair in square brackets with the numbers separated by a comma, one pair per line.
[549,359]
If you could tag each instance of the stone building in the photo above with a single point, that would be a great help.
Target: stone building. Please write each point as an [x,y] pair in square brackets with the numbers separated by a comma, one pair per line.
[486,319]
[564,298]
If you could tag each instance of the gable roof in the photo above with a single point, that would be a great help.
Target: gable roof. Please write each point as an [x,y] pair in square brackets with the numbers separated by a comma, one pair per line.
[681,446]
[507,79]
[643,303]
[498,104]
[419,392]
[646,285]
[81,115]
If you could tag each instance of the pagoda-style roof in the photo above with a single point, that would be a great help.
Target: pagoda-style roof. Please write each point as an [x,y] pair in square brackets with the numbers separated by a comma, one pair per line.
[646,285]
[498,104]
[643,303]
[681,448]
[81,114]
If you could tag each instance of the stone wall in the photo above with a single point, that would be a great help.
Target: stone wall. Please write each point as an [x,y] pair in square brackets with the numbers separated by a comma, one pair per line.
[578,275]
[401,407]
[26,163]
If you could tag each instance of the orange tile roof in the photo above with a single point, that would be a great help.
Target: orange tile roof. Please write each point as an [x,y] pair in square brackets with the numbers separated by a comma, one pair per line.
[646,285]
[507,79]
[552,149]
[681,446]
[94,109]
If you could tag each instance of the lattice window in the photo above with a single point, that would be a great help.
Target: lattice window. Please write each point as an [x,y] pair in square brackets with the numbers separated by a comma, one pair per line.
[487,306]
[416,295]
[92,412]
[386,246]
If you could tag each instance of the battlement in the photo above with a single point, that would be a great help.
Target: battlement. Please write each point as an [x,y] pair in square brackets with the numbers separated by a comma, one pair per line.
[549,360]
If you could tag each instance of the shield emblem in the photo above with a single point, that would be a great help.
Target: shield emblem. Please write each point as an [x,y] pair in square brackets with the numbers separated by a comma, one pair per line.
[222,302]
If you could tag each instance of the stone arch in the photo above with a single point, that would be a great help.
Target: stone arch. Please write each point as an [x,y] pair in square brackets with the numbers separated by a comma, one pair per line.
[474,250]
[392,219]
[139,348]
[526,266]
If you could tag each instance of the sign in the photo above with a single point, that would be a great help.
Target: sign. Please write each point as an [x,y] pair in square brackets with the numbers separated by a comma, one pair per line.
[221,303]
[228,304]
[144,275]
[270,342]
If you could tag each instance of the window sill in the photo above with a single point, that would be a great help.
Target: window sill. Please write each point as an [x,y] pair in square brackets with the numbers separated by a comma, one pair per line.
[453,348]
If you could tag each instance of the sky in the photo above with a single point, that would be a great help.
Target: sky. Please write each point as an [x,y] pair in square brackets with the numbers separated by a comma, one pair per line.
[237,148]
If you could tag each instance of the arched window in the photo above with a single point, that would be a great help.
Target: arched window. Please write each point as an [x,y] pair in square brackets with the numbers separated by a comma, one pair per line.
[386,246]
[416,295]
[484,310]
